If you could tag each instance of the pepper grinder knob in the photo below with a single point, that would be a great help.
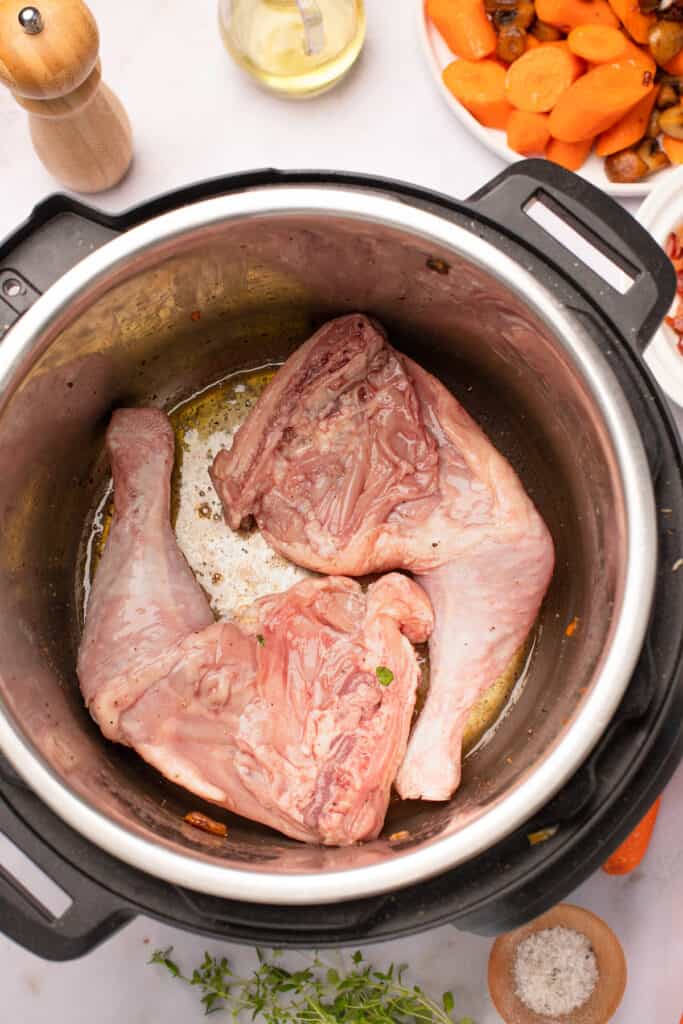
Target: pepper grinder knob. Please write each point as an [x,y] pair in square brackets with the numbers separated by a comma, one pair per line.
[31,20]
[49,59]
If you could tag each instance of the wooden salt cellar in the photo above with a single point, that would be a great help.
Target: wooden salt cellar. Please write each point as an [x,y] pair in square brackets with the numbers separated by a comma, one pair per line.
[607,994]
[49,58]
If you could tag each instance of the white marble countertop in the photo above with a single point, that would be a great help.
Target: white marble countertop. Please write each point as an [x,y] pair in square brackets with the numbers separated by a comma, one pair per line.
[195,116]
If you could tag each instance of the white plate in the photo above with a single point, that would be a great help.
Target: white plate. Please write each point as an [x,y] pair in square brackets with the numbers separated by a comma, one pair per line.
[660,214]
[439,56]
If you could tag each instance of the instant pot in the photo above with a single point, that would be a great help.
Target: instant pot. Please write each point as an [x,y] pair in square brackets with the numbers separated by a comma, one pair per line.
[149,307]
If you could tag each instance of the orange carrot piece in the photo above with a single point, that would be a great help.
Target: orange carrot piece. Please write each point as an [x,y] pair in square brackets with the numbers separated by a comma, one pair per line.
[673,149]
[535,82]
[598,44]
[528,133]
[642,57]
[571,155]
[567,14]
[636,23]
[630,129]
[638,54]
[480,87]
[532,43]
[631,852]
[580,66]
[563,44]
[598,100]
[464,26]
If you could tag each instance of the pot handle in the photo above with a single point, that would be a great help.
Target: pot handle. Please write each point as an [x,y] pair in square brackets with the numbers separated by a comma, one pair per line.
[93,915]
[599,220]
[58,234]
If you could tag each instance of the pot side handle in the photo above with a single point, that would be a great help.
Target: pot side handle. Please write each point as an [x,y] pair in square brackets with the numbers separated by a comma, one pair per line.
[601,222]
[58,234]
[92,916]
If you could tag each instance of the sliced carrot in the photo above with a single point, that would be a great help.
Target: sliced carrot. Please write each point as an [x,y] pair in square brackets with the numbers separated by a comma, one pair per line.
[464,26]
[598,44]
[638,54]
[571,155]
[641,56]
[480,87]
[528,133]
[636,23]
[630,129]
[532,43]
[580,65]
[567,14]
[562,44]
[631,852]
[598,100]
[673,149]
[536,80]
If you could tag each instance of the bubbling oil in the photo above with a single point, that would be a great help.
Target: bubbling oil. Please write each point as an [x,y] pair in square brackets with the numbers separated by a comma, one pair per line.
[235,568]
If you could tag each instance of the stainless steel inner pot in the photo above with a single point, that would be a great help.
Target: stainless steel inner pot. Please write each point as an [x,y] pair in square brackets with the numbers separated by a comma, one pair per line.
[263,268]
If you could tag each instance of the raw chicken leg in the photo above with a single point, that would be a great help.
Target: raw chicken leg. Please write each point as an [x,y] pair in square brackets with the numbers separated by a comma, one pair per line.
[145,599]
[355,460]
[282,719]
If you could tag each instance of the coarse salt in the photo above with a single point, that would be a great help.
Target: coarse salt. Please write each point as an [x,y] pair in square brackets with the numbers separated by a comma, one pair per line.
[555,971]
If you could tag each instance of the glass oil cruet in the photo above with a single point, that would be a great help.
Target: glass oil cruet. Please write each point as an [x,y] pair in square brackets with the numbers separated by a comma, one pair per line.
[297,48]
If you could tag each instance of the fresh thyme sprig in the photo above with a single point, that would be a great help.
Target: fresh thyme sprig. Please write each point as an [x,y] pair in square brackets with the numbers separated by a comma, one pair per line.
[318,994]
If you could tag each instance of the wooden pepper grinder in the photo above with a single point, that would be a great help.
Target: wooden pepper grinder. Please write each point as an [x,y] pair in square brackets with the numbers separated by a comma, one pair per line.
[49,58]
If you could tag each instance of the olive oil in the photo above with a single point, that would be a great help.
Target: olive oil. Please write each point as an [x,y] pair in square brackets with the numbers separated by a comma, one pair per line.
[491,706]
[298,50]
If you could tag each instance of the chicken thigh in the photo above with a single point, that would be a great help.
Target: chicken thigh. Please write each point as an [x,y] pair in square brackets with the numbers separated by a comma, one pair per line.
[355,460]
[297,716]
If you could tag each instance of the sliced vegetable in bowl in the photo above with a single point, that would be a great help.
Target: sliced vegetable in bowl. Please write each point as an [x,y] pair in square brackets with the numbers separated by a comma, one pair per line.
[598,76]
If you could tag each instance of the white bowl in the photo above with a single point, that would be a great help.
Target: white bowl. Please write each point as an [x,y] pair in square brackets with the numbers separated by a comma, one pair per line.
[439,57]
[662,213]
